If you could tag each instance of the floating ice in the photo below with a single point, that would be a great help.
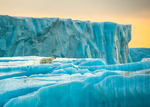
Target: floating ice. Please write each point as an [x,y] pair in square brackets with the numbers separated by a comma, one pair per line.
[73,82]
[93,66]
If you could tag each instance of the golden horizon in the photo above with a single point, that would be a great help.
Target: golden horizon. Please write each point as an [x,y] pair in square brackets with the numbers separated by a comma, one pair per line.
[118,11]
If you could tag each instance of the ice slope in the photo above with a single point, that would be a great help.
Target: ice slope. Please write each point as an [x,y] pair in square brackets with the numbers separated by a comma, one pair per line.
[137,54]
[84,82]
[26,36]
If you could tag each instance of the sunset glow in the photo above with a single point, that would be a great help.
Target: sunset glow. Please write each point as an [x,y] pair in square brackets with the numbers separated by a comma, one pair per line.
[135,12]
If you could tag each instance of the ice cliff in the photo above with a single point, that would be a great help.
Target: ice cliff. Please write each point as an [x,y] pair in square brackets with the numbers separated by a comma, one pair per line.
[21,36]
[92,71]
[137,54]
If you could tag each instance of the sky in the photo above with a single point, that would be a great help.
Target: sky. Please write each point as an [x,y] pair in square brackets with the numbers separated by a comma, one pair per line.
[134,12]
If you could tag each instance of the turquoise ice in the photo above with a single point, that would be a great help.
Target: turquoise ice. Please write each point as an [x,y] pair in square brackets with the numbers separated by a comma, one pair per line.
[24,36]
[93,67]
[73,82]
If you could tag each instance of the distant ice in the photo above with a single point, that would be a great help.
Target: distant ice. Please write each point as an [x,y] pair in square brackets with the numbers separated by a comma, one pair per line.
[65,38]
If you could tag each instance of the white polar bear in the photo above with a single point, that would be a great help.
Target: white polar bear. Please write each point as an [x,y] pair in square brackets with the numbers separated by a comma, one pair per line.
[47,60]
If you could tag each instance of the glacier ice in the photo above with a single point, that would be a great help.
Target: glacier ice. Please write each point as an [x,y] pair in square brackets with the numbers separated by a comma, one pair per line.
[137,54]
[73,82]
[93,68]
[24,36]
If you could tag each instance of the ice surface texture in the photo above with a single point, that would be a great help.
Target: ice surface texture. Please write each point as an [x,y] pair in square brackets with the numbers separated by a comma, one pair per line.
[20,36]
[137,54]
[73,83]
[85,78]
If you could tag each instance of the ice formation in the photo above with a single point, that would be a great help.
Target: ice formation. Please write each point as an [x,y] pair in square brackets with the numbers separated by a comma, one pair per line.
[93,67]
[66,82]
[22,36]
[137,54]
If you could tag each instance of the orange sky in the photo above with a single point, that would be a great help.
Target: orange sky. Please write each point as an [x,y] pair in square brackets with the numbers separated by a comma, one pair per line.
[135,12]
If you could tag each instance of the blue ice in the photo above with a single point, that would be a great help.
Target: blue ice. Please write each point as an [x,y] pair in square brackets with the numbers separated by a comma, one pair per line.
[73,82]
[93,67]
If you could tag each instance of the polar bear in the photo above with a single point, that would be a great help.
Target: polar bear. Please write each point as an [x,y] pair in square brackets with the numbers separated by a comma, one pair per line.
[47,60]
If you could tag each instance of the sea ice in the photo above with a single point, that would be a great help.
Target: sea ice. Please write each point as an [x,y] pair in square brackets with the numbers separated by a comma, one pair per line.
[73,82]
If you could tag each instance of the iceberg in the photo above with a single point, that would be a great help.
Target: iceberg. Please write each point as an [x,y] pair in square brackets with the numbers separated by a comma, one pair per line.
[93,67]
[65,38]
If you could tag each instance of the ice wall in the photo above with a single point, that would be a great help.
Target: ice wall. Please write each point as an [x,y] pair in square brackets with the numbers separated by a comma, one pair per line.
[137,54]
[20,36]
